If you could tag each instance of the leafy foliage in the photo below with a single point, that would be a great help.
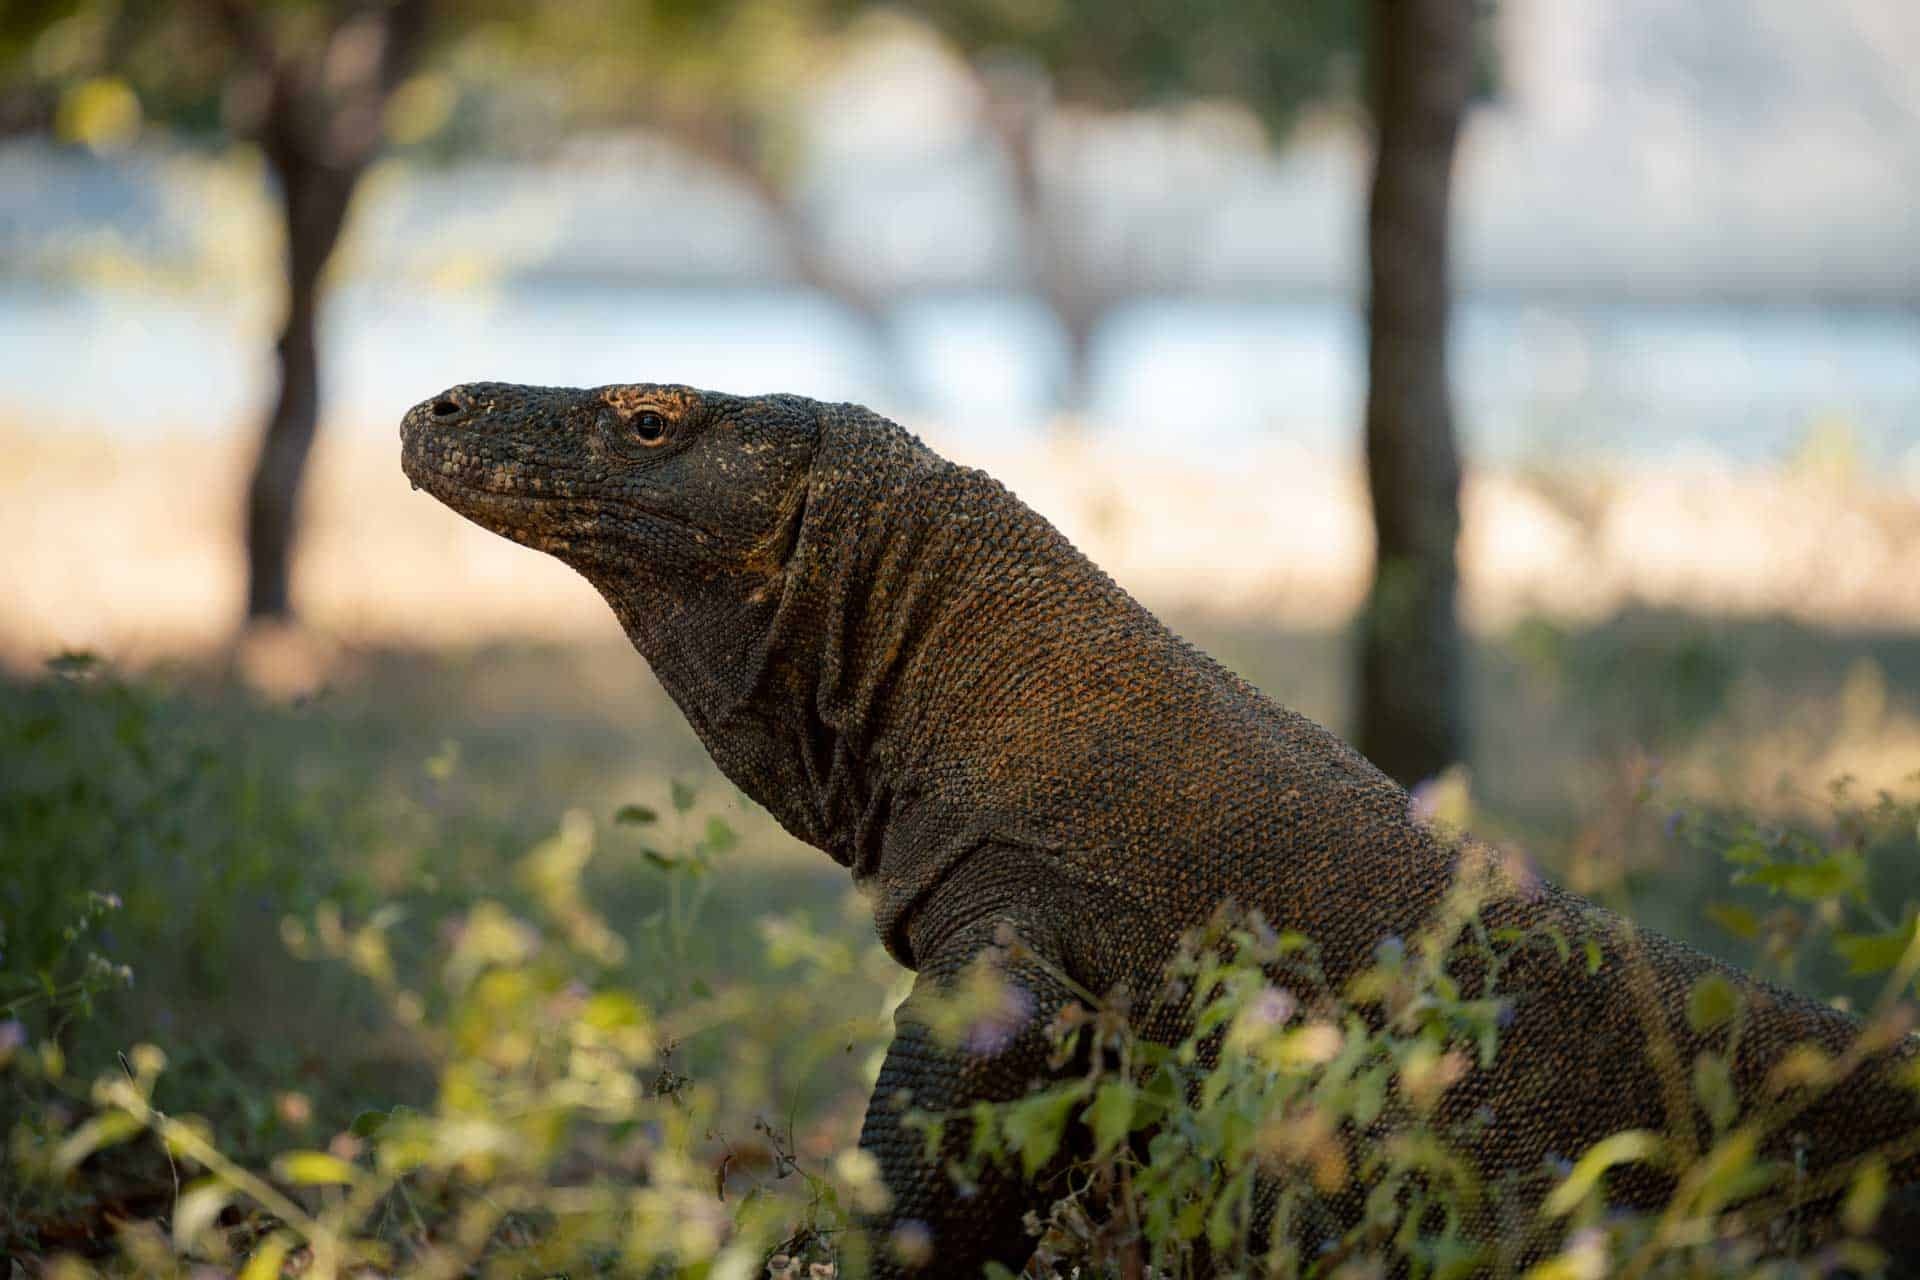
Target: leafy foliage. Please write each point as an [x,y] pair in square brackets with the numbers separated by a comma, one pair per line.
[1274,58]
[606,1100]
[103,788]
[561,1133]
[95,71]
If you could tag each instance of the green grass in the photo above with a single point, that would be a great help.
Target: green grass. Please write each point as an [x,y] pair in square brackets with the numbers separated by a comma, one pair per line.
[418,783]
[412,788]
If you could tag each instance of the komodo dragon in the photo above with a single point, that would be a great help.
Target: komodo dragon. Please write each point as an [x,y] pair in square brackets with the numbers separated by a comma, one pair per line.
[918,674]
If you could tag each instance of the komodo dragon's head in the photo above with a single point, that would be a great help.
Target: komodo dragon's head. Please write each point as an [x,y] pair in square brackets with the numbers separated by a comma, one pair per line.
[651,488]
[680,505]
[685,509]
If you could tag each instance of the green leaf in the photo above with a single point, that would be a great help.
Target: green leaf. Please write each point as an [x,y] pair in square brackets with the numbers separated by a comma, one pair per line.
[1861,1209]
[1729,1172]
[984,1139]
[1595,957]
[1836,876]
[720,836]
[266,1261]
[1630,1147]
[606,1010]
[634,815]
[1035,1125]
[367,1123]
[101,111]
[1712,1002]
[110,1128]
[314,1169]
[1735,919]
[443,763]
[682,796]
[1110,1115]
[1713,1089]
[659,859]
[1221,1227]
[196,1210]
[1867,953]
[1161,1096]
[1574,1264]
[933,1130]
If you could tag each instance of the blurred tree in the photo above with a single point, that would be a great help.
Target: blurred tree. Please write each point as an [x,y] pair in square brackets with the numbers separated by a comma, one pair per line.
[1273,58]
[323,84]
[309,84]
[1411,698]
[315,85]
[718,79]
[1422,61]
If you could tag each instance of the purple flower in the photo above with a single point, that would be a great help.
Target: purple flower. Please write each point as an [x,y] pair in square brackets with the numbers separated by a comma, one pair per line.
[1272,1007]
[995,1029]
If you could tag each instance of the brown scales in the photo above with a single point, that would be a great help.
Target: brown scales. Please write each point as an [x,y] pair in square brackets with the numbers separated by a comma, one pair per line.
[919,675]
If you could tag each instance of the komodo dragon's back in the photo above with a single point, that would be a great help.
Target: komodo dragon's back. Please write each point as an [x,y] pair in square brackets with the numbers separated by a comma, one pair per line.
[919,675]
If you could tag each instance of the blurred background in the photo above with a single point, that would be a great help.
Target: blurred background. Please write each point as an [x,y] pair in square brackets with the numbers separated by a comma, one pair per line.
[1262,303]
[1121,260]
[1195,282]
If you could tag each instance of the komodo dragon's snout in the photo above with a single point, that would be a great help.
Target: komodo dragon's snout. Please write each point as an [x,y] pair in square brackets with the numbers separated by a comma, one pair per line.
[915,672]
[612,478]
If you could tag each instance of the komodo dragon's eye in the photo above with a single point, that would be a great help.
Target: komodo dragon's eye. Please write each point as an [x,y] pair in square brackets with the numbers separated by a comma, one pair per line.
[649,426]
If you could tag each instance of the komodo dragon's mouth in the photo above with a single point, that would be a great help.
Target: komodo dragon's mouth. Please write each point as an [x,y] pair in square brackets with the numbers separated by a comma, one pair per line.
[529,519]
[512,512]
[505,507]
[434,459]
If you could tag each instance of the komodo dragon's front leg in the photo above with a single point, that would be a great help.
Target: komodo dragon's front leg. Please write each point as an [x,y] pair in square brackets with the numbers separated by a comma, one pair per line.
[931,1226]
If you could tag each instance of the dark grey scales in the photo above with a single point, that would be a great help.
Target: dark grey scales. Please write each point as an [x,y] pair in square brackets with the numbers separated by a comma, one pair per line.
[918,674]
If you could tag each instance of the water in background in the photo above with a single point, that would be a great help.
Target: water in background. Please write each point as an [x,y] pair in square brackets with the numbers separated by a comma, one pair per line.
[1534,381]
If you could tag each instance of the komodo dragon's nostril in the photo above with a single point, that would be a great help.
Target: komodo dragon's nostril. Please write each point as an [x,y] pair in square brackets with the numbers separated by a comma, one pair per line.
[445,409]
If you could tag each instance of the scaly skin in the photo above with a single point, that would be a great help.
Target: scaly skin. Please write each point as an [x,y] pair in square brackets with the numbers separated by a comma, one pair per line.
[919,675]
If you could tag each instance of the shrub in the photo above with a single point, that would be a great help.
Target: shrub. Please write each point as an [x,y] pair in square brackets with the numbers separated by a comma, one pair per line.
[609,1103]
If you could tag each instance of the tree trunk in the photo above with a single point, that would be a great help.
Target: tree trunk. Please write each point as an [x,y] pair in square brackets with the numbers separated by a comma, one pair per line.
[1018,99]
[314,204]
[320,127]
[1411,696]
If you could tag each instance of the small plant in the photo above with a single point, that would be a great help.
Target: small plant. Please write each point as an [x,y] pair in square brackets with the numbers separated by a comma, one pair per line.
[1297,1131]
[562,1135]
[104,785]
[600,1100]
[67,984]
[36,1010]
[1814,903]
[1241,1149]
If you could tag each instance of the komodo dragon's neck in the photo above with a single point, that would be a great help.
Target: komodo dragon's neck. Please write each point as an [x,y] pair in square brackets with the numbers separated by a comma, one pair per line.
[924,622]
[934,668]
